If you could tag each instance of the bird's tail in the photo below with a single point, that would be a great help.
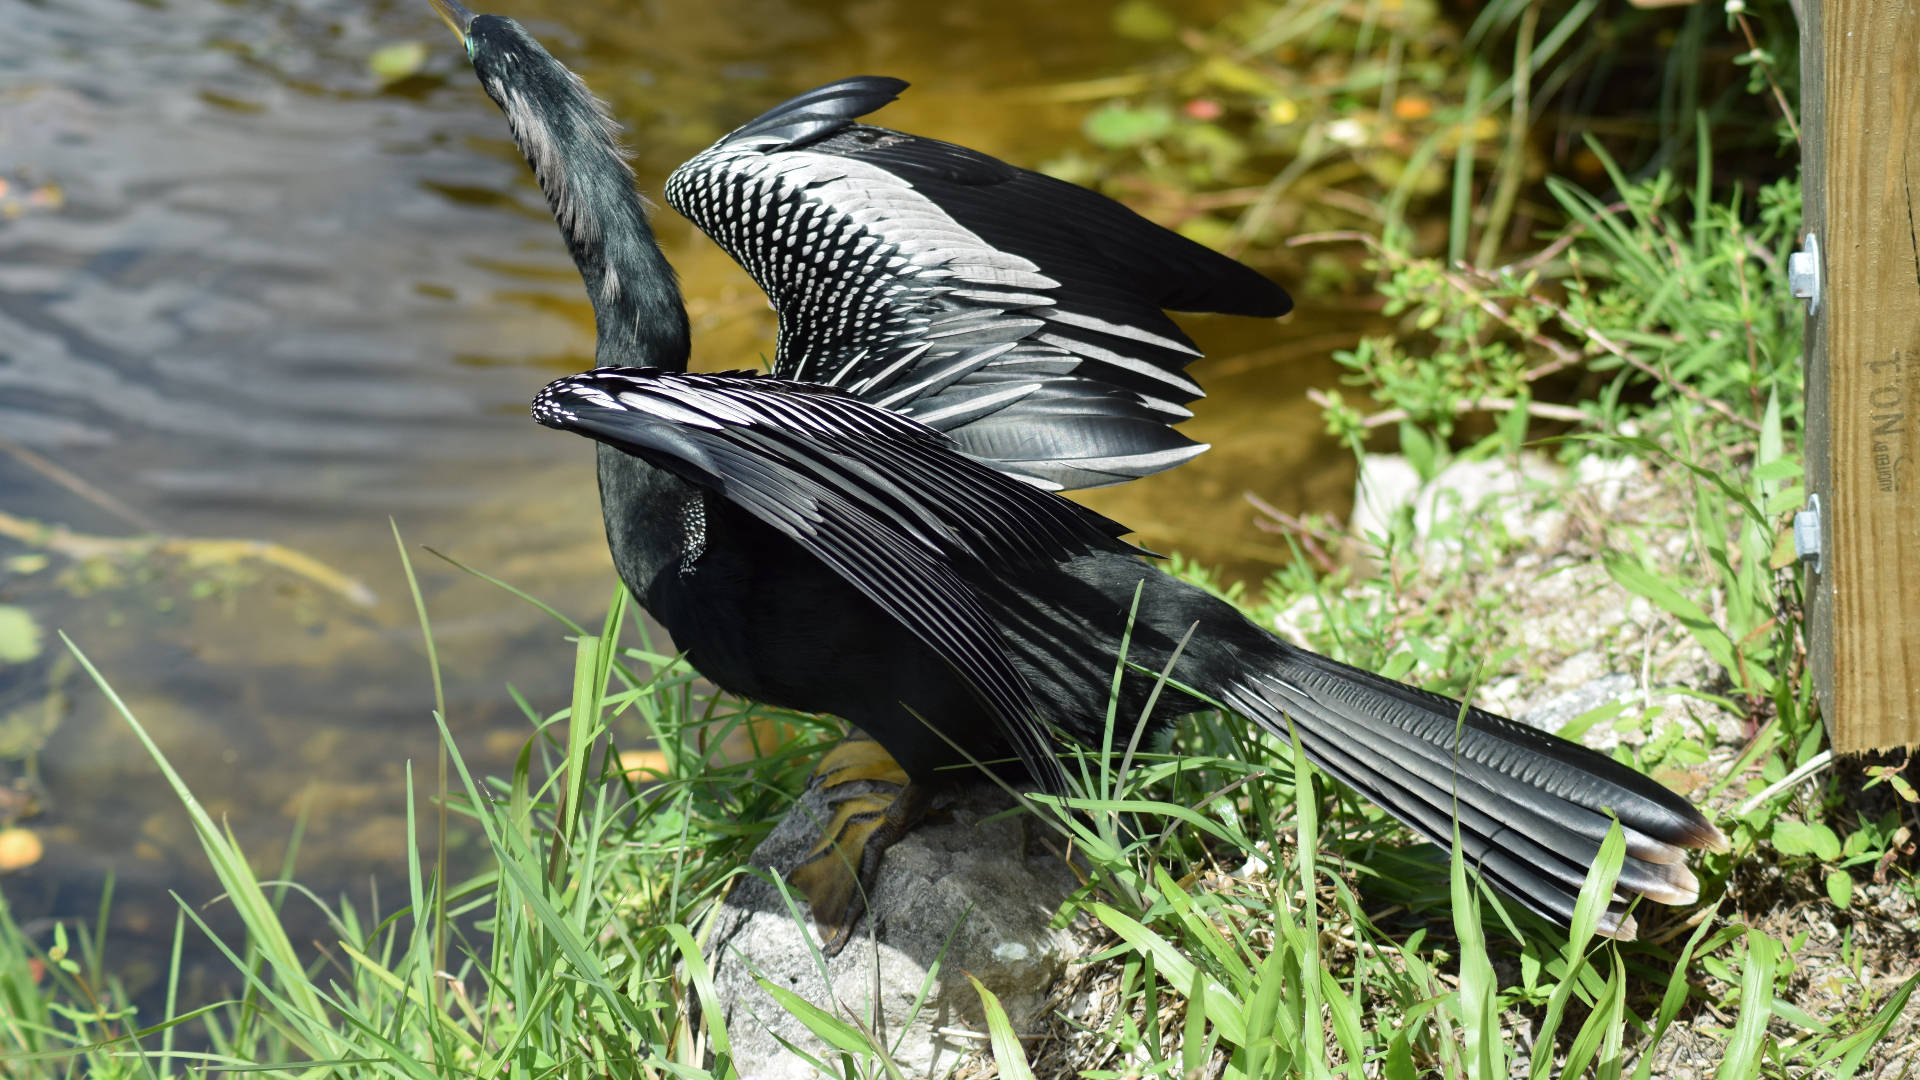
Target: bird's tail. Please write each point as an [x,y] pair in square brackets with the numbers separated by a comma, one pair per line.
[1532,807]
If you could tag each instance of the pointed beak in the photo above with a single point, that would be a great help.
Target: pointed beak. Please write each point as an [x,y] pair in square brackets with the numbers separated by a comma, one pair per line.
[456,17]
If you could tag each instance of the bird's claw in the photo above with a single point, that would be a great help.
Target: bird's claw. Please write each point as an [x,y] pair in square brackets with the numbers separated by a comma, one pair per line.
[874,804]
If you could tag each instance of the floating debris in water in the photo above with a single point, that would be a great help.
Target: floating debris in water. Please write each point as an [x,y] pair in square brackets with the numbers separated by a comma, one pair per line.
[17,197]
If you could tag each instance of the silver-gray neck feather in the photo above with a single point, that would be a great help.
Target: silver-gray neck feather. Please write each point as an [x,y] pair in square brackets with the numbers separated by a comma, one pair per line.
[573,147]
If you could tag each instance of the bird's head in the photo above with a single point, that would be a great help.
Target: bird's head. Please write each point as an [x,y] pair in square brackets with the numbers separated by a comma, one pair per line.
[564,131]
[573,146]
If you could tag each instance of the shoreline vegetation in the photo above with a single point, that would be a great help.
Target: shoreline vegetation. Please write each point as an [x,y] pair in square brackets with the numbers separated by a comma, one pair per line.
[1592,396]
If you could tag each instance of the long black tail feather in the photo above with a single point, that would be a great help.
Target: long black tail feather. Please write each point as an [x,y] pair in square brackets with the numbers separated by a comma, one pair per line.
[1532,808]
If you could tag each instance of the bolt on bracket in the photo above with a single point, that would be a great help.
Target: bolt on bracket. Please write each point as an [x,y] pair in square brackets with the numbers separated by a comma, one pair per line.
[1803,273]
[1806,533]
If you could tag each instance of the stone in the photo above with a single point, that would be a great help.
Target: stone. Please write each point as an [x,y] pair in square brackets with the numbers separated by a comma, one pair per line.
[1556,712]
[1494,489]
[968,892]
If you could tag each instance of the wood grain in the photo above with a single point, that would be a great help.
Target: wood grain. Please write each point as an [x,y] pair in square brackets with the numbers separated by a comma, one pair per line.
[1861,107]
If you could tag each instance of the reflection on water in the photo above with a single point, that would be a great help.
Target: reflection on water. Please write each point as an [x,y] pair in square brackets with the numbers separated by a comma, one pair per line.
[281,302]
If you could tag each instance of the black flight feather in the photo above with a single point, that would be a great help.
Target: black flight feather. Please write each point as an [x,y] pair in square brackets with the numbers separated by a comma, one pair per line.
[883,501]
[822,111]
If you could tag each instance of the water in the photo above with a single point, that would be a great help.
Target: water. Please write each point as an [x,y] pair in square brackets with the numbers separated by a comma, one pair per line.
[282,302]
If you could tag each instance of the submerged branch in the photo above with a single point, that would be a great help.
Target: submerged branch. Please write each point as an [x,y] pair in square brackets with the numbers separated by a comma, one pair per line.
[199,551]
[1541,410]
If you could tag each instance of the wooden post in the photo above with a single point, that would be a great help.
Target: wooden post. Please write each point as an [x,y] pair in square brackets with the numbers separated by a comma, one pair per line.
[1860,106]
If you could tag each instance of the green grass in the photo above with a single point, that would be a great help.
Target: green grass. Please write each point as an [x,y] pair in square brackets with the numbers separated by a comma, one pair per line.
[564,944]
[1256,919]
[590,919]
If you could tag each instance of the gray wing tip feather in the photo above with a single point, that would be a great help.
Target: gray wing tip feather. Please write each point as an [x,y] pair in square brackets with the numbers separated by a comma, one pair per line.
[1707,837]
[820,111]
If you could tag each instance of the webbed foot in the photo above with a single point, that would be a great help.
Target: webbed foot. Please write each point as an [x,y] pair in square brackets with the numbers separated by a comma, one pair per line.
[874,804]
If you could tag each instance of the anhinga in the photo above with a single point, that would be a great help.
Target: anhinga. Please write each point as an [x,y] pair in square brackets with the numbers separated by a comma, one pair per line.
[869,530]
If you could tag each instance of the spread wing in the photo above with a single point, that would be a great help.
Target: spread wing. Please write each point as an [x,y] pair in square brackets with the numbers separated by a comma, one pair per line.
[1019,314]
[882,500]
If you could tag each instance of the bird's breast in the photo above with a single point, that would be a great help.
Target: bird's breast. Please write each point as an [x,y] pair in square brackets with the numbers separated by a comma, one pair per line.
[635,499]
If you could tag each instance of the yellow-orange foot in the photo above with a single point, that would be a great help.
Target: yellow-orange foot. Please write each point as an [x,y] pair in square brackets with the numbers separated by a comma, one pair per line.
[874,805]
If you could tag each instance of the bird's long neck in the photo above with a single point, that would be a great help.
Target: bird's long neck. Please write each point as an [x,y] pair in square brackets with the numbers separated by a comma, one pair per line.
[575,154]
[638,315]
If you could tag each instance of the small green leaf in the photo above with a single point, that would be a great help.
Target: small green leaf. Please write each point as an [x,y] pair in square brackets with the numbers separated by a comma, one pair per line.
[1399,1063]
[391,63]
[1825,843]
[1793,838]
[1398,665]
[1009,1057]
[1840,888]
[1421,450]
[19,635]
[1773,471]
[31,563]
[1806,838]
[1635,576]
[1742,1055]
[1118,127]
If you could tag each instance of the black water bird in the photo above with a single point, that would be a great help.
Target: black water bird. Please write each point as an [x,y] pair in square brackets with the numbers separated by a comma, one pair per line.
[868,532]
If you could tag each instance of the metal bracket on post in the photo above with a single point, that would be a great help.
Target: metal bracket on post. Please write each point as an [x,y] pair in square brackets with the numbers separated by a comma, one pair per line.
[1803,273]
[1806,533]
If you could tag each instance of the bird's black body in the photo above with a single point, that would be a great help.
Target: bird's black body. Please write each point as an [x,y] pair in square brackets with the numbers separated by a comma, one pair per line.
[760,611]
[761,615]
[880,547]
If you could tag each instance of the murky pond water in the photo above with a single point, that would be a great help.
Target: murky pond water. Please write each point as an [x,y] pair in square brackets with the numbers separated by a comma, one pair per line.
[277,301]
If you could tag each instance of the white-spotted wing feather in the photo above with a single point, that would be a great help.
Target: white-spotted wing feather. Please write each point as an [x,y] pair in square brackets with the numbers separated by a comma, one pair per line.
[913,273]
